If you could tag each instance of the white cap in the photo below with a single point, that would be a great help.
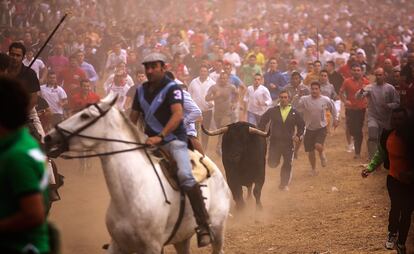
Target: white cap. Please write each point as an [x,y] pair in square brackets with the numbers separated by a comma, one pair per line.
[154,57]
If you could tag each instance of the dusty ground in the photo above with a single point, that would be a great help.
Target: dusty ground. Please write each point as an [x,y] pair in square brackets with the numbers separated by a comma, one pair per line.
[310,218]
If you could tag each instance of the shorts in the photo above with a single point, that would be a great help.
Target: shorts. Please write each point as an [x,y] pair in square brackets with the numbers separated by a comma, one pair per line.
[313,137]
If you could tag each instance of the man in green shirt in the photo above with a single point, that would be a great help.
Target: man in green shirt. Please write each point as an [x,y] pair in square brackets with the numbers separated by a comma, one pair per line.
[287,129]
[249,70]
[23,179]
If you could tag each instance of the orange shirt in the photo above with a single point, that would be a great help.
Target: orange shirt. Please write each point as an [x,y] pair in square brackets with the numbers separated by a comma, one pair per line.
[397,156]
[351,87]
[79,101]
[70,79]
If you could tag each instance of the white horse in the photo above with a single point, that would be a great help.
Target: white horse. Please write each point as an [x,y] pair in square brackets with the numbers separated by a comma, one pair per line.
[138,219]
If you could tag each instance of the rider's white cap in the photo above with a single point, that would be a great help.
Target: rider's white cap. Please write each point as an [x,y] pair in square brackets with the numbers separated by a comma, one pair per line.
[154,57]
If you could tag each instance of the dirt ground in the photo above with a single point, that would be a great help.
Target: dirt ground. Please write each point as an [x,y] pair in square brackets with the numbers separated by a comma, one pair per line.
[334,212]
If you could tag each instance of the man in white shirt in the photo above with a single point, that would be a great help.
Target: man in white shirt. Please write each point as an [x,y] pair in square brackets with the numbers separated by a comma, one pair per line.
[120,87]
[217,69]
[340,56]
[118,55]
[258,100]
[120,68]
[323,55]
[198,90]
[232,57]
[55,96]
[38,66]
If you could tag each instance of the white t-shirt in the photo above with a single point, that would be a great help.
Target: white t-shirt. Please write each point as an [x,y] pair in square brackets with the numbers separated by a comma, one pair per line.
[198,91]
[114,59]
[233,58]
[110,80]
[36,66]
[259,100]
[53,96]
[214,75]
[121,91]
[336,55]
[325,57]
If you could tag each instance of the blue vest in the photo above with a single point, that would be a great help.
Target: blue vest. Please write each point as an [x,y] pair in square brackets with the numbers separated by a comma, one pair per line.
[149,110]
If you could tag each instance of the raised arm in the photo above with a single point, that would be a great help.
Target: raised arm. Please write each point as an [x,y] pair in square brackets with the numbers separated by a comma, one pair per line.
[395,99]
[265,119]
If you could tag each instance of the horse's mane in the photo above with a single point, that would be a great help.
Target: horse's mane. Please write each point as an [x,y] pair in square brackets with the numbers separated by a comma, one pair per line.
[137,132]
[139,135]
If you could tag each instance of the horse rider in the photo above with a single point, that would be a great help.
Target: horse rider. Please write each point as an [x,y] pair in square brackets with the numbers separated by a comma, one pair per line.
[158,104]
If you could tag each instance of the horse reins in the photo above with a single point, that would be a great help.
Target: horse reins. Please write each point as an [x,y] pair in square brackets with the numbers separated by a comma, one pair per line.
[67,135]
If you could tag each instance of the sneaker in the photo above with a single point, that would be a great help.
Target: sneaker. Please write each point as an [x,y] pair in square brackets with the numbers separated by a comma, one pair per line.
[313,172]
[295,155]
[401,249]
[324,160]
[286,188]
[391,239]
[350,148]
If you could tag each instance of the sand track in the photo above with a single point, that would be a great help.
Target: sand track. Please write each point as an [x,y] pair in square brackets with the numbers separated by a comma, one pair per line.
[310,218]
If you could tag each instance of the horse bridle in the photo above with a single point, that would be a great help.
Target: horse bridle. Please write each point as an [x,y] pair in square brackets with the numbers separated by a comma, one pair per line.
[67,135]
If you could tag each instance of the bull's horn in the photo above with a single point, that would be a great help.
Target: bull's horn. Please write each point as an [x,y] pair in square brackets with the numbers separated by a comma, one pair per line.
[215,132]
[259,132]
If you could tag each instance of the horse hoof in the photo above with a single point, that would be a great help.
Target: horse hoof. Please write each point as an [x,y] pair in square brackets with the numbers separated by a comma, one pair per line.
[259,207]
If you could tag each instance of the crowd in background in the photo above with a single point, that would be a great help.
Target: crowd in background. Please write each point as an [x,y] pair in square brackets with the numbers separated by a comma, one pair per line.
[113,36]
[236,58]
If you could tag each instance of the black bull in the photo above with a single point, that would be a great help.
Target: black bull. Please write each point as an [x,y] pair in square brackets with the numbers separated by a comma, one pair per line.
[243,156]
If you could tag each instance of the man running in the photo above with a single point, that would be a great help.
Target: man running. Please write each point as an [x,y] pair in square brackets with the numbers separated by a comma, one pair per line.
[313,108]
[287,129]
[382,99]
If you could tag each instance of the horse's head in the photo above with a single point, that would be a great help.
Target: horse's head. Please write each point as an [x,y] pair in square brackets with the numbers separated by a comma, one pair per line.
[70,134]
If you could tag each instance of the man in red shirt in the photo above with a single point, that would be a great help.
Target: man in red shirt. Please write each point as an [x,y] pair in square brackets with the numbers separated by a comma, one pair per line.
[387,54]
[58,61]
[354,108]
[84,97]
[70,77]
[346,69]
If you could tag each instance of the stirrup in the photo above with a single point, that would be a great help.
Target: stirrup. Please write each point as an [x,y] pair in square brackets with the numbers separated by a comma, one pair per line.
[204,236]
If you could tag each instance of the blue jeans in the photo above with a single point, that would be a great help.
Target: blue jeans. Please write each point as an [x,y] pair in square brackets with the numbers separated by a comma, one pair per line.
[178,150]
[253,118]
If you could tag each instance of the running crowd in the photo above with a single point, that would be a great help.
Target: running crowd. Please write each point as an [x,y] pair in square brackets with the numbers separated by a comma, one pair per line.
[296,64]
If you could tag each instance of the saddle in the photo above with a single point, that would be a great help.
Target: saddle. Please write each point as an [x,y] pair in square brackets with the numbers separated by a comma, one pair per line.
[203,167]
